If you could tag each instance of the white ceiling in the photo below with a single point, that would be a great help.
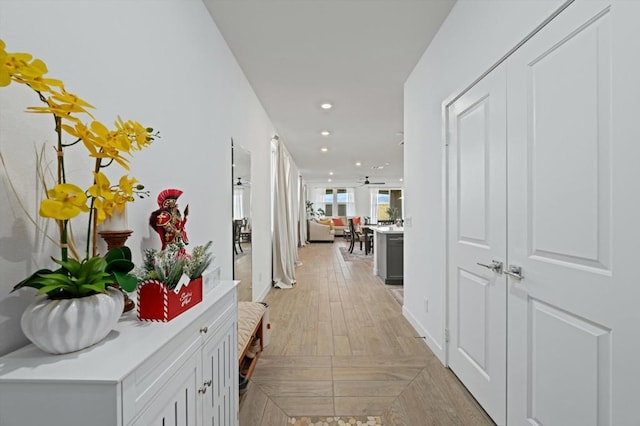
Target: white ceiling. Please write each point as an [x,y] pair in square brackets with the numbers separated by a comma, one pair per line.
[355,54]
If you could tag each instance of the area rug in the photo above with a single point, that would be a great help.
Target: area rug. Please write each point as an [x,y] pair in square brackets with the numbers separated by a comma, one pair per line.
[334,421]
[355,256]
[397,293]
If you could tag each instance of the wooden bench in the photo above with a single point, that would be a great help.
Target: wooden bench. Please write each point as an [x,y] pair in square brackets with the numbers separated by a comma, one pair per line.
[250,315]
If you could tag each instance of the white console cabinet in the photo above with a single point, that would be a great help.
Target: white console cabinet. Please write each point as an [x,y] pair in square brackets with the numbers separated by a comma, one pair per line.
[180,373]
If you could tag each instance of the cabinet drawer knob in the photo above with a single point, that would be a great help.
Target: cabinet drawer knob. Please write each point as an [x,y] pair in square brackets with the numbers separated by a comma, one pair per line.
[204,329]
[202,390]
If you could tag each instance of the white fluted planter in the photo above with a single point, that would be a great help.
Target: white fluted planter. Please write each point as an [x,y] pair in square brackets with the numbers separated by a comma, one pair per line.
[68,325]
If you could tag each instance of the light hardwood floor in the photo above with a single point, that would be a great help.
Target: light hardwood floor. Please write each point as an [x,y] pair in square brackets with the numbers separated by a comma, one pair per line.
[340,346]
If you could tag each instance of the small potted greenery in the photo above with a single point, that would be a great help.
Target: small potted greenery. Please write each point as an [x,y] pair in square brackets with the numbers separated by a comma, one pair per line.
[170,281]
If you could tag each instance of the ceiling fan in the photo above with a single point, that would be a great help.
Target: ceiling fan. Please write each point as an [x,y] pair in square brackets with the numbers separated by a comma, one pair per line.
[367,182]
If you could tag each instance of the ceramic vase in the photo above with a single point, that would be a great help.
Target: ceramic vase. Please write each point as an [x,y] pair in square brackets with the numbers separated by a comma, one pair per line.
[69,325]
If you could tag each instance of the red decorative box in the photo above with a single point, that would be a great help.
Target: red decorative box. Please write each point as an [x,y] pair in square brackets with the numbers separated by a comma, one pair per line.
[157,303]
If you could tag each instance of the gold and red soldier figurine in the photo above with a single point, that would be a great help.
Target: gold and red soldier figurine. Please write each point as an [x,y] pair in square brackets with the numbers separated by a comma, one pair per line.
[167,220]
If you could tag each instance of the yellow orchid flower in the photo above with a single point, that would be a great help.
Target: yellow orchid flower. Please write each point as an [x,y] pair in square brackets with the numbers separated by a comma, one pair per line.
[134,132]
[126,186]
[24,68]
[69,103]
[103,209]
[17,62]
[102,135]
[140,135]
[41,84]
[65,202]
[98,206]
[72,100]
[120,201]
[99,129]
[101,187]
[121,141]
[5,76]
[83,133]
[113,154]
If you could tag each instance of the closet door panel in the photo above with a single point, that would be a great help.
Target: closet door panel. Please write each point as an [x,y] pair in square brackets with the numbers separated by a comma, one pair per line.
[560,222]
[477,235]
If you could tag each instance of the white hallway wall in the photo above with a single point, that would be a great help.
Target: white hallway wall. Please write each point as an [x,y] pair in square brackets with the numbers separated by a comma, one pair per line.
[475,35]
[163,63]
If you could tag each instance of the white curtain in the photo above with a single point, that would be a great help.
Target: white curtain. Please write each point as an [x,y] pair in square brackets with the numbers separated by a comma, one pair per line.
[302,216]
[351,202]
[285,251]
[238,211]
[293,181]
[374,205]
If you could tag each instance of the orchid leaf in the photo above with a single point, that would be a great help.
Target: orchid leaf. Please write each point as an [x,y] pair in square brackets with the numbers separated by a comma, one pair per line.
[126,281]
[120,265]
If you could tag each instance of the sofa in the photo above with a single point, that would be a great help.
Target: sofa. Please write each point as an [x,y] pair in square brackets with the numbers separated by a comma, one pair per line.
[320,231]
[340,223]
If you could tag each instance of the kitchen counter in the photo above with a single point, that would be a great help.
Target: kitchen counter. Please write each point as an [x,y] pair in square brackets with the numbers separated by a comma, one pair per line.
[389,253]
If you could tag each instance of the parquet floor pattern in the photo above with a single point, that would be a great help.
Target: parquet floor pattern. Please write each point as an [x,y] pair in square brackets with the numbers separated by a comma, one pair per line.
[340,346]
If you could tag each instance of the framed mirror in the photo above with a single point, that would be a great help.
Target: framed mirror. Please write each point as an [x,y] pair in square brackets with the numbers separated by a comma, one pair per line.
[241,226]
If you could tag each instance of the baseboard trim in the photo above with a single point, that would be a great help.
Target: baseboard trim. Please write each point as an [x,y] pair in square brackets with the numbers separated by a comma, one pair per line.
[432,343]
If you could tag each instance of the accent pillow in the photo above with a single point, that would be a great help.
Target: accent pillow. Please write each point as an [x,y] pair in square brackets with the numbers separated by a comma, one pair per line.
[337,221]
[356,221]
[326,222]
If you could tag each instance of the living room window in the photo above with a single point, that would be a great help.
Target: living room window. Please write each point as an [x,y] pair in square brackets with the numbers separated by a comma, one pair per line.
[386,204]
[328,202]
[341,201]
[338,202]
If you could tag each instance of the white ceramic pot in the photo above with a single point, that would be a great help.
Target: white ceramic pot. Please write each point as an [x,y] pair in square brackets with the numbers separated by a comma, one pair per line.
[68,325]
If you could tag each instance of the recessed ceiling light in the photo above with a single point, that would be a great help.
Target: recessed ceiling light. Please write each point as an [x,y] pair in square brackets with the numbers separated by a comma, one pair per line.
[325,133]
[323,149]
[330,173]
[326,105]
[358,164]
[401,180]
[329,180]
[399,133]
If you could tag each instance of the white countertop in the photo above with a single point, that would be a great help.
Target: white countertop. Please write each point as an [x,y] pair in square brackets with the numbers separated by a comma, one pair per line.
[392,229]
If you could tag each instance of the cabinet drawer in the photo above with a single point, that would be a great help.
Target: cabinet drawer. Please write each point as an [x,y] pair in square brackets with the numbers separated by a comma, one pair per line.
[140,387]
[224,311]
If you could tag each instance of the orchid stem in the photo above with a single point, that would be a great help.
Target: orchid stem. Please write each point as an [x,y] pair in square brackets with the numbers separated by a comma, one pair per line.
[92,238]
[64,251]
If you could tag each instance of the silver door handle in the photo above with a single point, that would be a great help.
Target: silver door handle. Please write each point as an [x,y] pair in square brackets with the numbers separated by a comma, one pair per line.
[496,266]
[514,272]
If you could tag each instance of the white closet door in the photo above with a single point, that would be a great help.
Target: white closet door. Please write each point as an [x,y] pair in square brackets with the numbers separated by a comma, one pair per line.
[477,234]
[573,332]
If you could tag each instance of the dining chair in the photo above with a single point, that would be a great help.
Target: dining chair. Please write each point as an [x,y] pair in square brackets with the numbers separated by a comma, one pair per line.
[237,231]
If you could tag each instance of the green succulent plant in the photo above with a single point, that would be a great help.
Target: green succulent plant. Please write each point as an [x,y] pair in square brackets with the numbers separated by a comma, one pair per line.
[90,276]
